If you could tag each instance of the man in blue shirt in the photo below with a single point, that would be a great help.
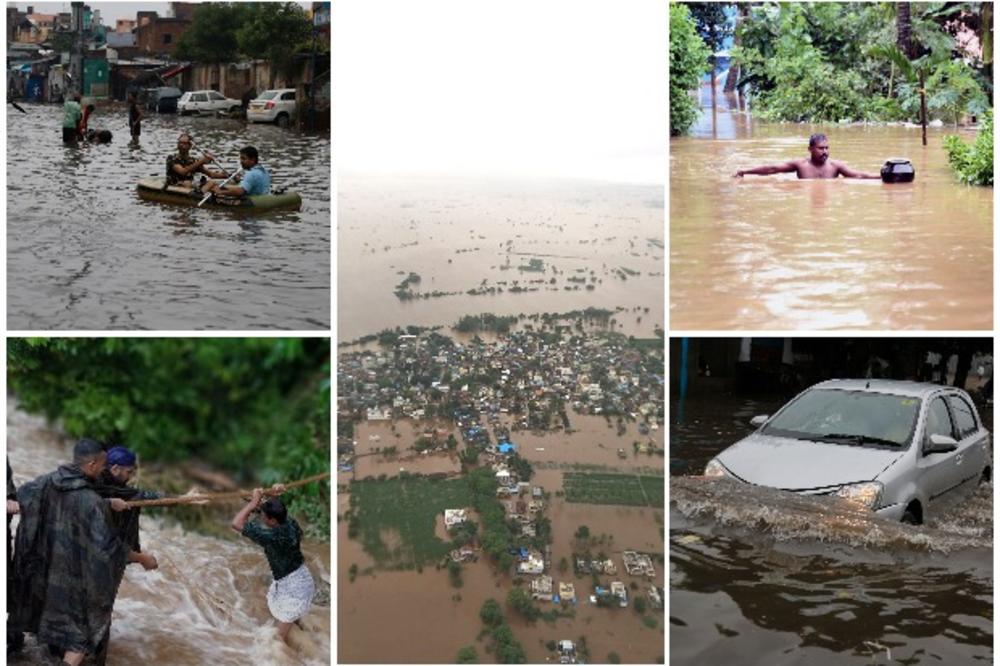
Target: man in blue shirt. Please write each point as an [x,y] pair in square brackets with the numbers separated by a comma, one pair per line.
[255,179]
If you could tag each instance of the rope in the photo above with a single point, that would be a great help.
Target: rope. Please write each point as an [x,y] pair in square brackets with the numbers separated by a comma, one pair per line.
[213,497]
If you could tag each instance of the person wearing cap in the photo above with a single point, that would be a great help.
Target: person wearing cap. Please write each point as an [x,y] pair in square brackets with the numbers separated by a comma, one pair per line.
[114,482]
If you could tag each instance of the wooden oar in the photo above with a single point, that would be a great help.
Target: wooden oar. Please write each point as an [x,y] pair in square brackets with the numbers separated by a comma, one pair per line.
[211,497]
[203,151]
[17,106]
[209,195]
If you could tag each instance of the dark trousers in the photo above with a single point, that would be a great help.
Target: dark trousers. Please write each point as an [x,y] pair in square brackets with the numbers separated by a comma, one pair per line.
[69,135]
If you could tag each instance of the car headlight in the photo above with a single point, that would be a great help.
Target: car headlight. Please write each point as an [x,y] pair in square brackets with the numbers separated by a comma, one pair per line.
[715,469]
[867,494]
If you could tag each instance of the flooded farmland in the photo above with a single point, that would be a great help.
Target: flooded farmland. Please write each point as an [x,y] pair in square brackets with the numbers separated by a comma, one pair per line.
[207,601]
[779,253]
[759,576]
[501,247]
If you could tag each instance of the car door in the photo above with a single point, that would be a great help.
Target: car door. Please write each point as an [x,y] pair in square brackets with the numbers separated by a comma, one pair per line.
[288,101]
[199,102]
[217,101]
[972,439]
[941,473]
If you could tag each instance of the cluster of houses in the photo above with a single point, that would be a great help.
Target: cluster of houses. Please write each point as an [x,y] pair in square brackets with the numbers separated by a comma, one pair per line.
[524,378]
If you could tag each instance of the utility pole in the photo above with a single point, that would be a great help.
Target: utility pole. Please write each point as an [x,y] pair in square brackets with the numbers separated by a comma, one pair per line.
[76,54]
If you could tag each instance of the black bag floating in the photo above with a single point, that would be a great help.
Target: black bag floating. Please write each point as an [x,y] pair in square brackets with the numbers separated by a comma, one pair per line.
[898,170]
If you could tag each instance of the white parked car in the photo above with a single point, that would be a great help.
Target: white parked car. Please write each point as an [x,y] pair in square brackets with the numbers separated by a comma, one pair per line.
[273,106]
[206,101]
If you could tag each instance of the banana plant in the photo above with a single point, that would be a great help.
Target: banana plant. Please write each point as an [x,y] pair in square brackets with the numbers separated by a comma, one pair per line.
[914,71]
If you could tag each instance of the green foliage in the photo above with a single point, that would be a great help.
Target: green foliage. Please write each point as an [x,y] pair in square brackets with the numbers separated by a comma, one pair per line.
[582,532]
[973,164]
[623,489]
[274,31]
[257,407]
[211,37]
[491,614]
[455,573]
[639,604]
[496,535]
[614,658]
[520,600]
[352,572]
[467,655]
[688,61]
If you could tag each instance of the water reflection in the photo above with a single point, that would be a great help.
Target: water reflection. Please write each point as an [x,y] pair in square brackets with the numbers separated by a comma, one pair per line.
[84,252]
[777,253]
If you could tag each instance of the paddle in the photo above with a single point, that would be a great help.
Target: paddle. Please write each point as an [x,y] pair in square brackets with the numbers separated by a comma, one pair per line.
[203,151]
[17,106]
[209,195]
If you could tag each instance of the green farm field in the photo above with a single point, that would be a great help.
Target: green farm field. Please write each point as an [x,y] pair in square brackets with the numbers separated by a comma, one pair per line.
[623,489]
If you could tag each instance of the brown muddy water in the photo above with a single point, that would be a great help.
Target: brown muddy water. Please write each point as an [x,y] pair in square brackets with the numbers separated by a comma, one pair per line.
[758,576]
[460,235]
[430,620]
[774,252]
[205,604]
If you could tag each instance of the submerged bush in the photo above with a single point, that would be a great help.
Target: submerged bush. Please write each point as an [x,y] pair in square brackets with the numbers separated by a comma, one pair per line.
[973,164]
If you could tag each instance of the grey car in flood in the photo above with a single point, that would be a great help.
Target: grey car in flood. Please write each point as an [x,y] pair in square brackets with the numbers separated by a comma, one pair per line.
[903,449]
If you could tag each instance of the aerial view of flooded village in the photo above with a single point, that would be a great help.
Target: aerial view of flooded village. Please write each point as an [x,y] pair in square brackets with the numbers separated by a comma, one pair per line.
[500,376]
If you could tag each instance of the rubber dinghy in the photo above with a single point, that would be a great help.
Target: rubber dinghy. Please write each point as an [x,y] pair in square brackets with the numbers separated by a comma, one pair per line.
[154,188]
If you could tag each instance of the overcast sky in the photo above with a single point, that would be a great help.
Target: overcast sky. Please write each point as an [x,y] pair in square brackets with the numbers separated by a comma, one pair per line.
[565,88]
[110,11]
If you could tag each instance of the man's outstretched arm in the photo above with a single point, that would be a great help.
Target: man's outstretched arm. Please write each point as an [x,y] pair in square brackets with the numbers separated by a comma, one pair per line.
[848,172]
[767,170]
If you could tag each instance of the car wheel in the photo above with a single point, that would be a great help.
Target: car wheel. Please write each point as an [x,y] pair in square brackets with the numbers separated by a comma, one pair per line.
[281,120]
[909,518]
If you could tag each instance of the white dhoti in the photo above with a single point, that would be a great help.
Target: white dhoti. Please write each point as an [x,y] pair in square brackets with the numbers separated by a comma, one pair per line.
[291,597]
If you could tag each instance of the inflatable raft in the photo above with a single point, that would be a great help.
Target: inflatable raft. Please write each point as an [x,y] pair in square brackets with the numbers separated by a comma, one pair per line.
[154,188]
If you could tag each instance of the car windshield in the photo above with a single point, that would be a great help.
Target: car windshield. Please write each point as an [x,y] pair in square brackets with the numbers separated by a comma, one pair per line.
[268,94]
[859,418]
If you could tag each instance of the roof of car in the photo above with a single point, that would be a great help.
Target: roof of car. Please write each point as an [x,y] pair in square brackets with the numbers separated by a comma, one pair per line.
[894,386]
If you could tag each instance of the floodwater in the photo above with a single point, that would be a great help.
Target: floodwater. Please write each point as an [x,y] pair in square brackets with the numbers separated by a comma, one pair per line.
[759,576]
[430,620]
[205,604]
[470,235]
[84,252]
[774,252]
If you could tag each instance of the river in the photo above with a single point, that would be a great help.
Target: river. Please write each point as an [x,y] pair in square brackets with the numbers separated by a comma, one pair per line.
[598,244]
[758,576]
[778,253]
[84,252]
[205,604]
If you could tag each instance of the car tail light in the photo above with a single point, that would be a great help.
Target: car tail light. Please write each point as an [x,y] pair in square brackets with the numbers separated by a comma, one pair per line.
[269,105]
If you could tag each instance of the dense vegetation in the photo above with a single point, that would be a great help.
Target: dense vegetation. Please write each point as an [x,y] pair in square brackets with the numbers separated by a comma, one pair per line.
[623,489]
[256,407]
[973,164]
[688,61]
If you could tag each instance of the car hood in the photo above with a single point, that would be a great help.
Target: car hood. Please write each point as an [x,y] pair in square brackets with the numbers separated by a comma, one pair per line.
[795,464]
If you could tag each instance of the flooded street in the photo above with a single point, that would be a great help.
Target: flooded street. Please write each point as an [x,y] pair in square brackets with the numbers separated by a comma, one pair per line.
[206,604]
[84,252]
[499,247]
[759,576]
[774,252]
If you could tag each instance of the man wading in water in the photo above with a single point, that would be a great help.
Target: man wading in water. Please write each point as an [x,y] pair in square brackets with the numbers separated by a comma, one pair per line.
[819,164]
[290,595]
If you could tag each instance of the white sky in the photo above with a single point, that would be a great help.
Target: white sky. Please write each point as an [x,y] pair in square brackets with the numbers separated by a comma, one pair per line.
[559,88]
[110,11]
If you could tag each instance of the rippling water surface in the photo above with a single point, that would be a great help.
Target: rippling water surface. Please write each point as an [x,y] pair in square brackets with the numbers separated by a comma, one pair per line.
[774,252]
[760,576]
[84,252]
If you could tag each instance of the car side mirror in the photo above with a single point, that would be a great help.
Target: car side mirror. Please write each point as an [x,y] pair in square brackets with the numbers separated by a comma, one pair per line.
[940,444]
[759,420]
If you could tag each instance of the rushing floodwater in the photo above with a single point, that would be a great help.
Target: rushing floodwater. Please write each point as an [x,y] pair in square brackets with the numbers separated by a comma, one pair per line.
[600,245]
[773,252]
[206,604]
[759,576]
[84,252]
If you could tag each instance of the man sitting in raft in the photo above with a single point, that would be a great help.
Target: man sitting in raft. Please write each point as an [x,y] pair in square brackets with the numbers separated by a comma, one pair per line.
[255,180]
[290,595]
[819,164]
[182,166]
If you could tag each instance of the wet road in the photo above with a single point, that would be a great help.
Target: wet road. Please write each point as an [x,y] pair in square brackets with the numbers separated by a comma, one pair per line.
[764,577]
[84,252]
[775,252]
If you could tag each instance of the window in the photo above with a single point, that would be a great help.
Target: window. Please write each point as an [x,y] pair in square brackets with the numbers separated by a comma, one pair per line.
[938,420]
[965,420]
[199,97]
[168,39]
[288,96]
[216,96]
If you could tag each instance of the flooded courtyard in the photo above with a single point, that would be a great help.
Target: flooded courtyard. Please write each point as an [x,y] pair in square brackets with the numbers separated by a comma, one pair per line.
[774,252]
[84,252]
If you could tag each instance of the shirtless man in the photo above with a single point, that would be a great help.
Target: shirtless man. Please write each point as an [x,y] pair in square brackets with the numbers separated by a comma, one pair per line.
[819,164]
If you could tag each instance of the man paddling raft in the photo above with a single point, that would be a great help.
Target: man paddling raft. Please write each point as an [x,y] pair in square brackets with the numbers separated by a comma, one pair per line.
[818,164]
[182,165]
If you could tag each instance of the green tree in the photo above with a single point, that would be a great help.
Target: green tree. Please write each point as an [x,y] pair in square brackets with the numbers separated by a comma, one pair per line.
[582,533]
[467,655]
[491,614]
[973,164]
[520,600]
[211,37]
[614,658]
[688,60]
[274,31]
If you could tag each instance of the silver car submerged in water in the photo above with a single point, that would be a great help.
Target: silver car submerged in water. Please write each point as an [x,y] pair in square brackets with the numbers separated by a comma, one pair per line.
[903,449]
